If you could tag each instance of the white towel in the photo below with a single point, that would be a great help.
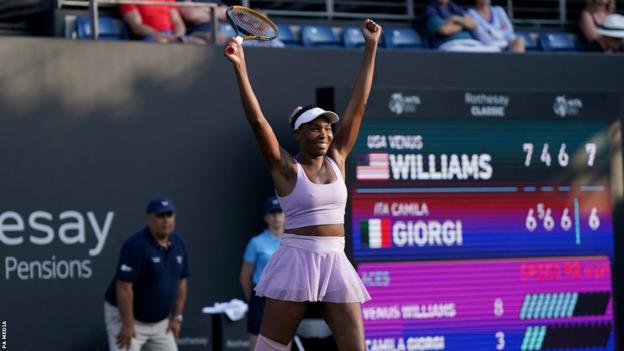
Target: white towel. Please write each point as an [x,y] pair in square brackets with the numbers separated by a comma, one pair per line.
[235,309]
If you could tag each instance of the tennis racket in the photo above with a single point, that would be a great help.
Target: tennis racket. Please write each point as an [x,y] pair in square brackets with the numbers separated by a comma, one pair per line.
[250,25]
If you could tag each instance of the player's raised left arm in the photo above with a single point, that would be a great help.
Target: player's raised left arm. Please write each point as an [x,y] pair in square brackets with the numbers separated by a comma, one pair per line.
[352,117]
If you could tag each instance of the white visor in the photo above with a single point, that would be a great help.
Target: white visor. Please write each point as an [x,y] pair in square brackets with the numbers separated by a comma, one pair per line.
[313,114]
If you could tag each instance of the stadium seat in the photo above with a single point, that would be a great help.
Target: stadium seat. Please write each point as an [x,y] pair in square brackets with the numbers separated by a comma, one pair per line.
[319,36]
[558,41]
[109,28]
[227,30]
[531,40]
[352,37]
[402,38]
[287,36]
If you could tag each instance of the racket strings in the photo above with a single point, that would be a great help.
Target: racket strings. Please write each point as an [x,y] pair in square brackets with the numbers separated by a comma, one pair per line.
[253,25]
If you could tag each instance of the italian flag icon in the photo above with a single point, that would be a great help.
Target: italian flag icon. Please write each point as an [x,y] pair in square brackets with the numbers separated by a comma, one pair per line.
[376,233]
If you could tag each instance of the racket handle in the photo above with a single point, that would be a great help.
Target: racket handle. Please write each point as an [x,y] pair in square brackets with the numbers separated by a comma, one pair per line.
[231,50]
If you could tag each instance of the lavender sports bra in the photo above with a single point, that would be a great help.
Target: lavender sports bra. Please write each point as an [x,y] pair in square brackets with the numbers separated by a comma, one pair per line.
[315,204]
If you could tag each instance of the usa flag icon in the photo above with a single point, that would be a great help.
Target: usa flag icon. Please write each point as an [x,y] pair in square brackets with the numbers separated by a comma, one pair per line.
[377,167]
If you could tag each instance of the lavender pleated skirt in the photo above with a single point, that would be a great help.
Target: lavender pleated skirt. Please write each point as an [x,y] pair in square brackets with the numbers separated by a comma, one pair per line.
[311,268]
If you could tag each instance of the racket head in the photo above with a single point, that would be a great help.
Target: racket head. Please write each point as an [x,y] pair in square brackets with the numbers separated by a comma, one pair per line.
[251,24]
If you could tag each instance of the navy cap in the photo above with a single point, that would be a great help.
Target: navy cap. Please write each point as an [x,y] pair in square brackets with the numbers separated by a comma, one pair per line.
[271,204]
[160,205]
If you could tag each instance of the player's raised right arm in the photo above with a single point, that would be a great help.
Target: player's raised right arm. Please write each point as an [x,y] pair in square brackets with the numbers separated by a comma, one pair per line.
[274,156]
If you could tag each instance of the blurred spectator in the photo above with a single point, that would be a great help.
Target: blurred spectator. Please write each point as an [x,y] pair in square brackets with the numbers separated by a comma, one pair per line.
[494,27]
[592,17]
[257,254]
[612,33]
[197,19]
[162,24]
[447,27]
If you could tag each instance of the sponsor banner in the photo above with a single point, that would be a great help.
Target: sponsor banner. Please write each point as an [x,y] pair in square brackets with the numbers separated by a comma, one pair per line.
[42,245]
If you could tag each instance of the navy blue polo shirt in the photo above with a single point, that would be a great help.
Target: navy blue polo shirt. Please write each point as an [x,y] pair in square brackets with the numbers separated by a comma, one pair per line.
[154,273]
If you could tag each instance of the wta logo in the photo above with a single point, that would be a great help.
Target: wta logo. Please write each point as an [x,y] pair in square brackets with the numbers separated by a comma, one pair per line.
[379,233]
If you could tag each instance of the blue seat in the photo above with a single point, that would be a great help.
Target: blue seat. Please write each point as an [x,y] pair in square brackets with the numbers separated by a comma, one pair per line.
[319,36]
[402,38]
[287,36]
[558,41]
[531,40]
[109,28]
[352,37]
[226,30]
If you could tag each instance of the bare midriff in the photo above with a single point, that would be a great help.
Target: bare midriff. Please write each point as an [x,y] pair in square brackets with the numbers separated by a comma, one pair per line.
[319,230]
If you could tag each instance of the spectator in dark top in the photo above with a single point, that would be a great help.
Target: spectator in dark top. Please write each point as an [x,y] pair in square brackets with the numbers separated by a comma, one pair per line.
[612,33]
[448,27]
[592,17]
[494,27]
[162,24]
[198,19]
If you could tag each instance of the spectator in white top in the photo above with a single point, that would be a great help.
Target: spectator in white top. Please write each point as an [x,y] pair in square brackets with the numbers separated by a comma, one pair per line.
[494,27]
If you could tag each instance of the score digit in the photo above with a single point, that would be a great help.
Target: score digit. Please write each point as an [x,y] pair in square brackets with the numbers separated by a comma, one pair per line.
[590,148]
[549,222]
[594,220]
[528,148]
[546,156]
[564,158]
[566,220]
[500,340]
[499,307]
[531,221]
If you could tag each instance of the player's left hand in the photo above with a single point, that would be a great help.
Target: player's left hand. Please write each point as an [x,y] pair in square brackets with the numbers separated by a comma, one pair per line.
[175,327]
[371,31]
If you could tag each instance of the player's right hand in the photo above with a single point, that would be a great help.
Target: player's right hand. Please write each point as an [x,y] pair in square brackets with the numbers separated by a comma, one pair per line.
[124,338]
[234,52]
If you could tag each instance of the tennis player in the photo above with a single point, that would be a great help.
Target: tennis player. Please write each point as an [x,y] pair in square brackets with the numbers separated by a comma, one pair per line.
[310,264]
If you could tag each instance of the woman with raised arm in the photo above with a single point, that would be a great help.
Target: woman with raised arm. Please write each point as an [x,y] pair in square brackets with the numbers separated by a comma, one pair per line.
[310,264]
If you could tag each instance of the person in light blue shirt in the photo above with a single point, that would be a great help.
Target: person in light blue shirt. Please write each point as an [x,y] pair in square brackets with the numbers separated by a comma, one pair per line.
[257,254]
[494,27]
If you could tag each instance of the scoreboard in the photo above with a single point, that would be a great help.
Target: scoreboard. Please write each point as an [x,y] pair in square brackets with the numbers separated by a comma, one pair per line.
[487,228]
